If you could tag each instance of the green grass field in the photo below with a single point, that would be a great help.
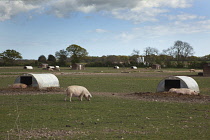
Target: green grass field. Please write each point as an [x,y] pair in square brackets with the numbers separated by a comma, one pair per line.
[47,116]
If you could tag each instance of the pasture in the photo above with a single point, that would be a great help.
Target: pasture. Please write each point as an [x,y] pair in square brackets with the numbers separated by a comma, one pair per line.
[116,110]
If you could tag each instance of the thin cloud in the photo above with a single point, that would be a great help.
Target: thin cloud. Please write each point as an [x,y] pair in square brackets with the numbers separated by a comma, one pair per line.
[156,31]
[185,16]
[126,36]
[101,31]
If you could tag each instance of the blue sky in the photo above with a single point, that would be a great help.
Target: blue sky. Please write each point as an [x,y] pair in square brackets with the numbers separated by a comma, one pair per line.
[103,27]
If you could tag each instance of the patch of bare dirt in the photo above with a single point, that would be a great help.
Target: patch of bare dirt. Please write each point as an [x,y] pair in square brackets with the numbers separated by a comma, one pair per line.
[170,97]
[30,91]
[145,96]
[44,133]
[160,97]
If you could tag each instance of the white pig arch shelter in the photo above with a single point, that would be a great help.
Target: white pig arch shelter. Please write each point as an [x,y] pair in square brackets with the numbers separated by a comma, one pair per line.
[177,82]
[41,81]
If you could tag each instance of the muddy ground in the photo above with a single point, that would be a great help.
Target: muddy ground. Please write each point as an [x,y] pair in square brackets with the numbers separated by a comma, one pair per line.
[145,96]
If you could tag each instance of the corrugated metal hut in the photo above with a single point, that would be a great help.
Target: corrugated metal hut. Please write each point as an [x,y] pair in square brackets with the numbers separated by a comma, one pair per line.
[28,67]
[50,67]
[133,67]
[116,67]
[41,81]
[177,82]
[206,69]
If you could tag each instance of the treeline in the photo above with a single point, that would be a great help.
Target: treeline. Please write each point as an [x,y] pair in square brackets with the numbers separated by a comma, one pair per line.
[180,55]
[146,61]
[122,61]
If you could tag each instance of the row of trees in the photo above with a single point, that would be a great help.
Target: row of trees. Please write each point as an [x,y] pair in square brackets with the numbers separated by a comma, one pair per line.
[76,53]
[73,54]
[179,55]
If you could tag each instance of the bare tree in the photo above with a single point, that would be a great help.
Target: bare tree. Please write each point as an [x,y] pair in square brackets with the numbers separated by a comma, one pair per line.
[151,51]
[180,50]
[134,57]
[187,50]
[150,55]
[136,52]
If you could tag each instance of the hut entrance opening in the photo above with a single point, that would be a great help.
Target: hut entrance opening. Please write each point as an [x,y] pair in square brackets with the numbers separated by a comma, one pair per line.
[26,80]
[172,84]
